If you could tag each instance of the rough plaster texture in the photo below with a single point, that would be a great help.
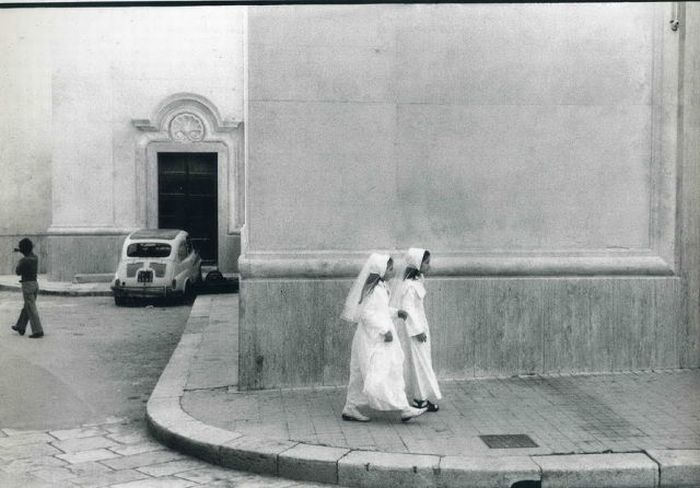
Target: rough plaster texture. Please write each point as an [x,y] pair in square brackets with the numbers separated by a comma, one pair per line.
[73,81]
[463,126]
[689,230]
[493,130]
[25,125]
[291,332]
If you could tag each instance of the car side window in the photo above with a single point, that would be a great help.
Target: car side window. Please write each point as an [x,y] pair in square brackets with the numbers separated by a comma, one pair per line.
[189,246]
[182,251]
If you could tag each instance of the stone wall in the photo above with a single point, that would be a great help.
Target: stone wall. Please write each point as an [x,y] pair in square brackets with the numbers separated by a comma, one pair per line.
[533,148]
[25,128]
[74,82]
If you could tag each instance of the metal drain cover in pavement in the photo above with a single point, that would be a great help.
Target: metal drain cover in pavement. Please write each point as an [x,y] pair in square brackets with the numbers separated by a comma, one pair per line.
[508,441]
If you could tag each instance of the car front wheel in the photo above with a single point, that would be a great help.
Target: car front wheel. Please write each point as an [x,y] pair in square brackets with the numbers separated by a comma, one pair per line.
[119,301]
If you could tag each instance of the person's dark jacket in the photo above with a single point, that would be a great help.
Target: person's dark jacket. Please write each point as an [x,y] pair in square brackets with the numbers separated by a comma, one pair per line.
[27,267]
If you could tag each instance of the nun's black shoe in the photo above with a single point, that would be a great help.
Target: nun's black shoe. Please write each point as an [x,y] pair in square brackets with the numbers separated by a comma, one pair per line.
[431,407]
[37,336]
[20,332]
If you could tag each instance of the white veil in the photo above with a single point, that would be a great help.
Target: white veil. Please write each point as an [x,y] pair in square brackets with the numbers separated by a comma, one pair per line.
[413,258]
[376,263]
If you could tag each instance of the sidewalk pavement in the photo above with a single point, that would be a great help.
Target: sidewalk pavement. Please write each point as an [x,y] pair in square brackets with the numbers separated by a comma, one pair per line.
[46,287]
[606,430]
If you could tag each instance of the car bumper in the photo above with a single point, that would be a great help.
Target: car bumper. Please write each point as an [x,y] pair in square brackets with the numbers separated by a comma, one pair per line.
[143,292]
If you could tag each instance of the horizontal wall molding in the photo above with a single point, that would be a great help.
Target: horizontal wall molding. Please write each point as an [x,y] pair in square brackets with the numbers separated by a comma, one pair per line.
[88,231]
[345,265]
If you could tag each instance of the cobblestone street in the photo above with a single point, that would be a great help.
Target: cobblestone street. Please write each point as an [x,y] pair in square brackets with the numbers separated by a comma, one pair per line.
[72,404]
[120,454]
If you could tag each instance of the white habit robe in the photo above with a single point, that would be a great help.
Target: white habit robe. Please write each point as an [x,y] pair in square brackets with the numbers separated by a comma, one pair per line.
[420,377]
[376,366]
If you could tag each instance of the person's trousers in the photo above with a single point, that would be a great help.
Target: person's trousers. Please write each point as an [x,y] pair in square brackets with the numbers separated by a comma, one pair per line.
[30,289]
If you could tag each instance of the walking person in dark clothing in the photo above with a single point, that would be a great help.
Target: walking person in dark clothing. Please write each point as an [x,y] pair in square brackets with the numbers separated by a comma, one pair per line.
[27,269]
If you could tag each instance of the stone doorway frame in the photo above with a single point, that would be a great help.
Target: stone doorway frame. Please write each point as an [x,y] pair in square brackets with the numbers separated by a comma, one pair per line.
[186,122]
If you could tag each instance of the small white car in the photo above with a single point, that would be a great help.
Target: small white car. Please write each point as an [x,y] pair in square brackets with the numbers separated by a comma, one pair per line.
[157,263]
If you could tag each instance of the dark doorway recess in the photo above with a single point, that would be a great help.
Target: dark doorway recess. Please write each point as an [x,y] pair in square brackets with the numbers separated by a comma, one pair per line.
[187,198]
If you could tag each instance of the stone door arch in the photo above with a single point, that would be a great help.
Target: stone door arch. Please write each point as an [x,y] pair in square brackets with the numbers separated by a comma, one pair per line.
[183,123]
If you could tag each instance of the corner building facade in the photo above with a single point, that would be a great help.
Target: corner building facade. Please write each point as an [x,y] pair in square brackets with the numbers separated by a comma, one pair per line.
[547,155]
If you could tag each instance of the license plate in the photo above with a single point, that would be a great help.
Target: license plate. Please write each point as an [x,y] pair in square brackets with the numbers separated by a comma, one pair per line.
[145,277]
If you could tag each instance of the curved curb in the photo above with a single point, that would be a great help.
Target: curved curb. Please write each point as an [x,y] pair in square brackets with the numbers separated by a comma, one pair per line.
[174,427]
[65,293]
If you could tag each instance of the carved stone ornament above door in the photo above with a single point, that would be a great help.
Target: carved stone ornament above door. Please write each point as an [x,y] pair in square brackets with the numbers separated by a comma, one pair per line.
[186,127]
[187,122]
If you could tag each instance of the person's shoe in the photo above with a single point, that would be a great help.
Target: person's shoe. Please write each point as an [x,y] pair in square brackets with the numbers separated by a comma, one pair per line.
[20,332]
[37,336]
[354,415]
[411,412]
[431,407]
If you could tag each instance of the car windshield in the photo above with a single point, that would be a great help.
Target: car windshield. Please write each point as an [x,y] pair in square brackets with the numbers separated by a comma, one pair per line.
[148,250]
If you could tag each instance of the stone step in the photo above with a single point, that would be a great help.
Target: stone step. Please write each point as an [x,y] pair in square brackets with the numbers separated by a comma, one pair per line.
[93,278]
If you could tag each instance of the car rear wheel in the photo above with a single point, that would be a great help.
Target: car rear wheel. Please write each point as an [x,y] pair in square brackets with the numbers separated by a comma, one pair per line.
[189,293]
[119,301]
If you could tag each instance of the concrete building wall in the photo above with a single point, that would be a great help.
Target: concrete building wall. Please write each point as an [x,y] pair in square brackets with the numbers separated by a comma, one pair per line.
[689,181]
[77,79]
[25,125]
[120,65]
[533,148]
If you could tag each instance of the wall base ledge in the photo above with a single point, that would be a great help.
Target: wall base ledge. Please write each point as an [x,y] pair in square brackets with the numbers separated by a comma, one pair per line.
[345,265]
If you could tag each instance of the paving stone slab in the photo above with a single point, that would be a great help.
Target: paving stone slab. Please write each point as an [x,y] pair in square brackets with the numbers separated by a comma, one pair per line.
[256,455]
[172,467]
[20,439]
[108,479]
[90,468]
[30,464]
[86,456]
[165,482]
[167,412]
[14,432]
[130,438]
[633,470]
[54,474]
[371,469]
[311,463]
[213,474]
[145,459]
[131,449]
[84,444]
[79,433]
[203,441]
[678,468]
[24,480]
[486,471]
[28,450]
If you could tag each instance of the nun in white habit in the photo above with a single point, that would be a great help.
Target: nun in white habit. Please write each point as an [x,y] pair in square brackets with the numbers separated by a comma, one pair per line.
[376,361]
[408,294]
